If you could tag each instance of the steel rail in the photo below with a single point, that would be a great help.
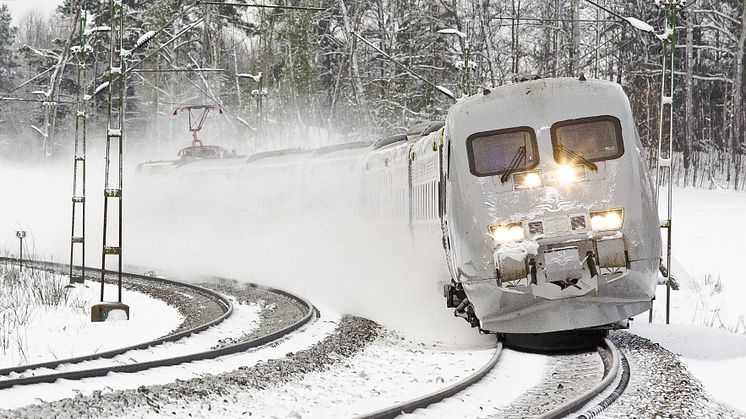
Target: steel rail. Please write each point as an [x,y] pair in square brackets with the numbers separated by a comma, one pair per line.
[611,398]
[220,299]
[439,395]
[311,314]
[610,373]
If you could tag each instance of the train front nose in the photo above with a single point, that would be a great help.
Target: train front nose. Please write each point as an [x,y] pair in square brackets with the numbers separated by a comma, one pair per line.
[563,256]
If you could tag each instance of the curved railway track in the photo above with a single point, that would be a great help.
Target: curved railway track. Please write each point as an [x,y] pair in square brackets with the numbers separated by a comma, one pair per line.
[437,396]
[311,313]
[615,365]
[220,300]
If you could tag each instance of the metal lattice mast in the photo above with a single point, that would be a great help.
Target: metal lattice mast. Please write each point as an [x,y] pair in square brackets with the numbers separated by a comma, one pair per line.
[664,164]
[114,139]
[77,235]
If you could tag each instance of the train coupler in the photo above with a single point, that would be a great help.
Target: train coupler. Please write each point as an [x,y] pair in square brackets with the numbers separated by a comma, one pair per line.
[465,310]
[454,293]
[456,298]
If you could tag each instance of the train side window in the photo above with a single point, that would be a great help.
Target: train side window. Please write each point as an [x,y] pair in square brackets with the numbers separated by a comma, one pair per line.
[594,139]
[493,153]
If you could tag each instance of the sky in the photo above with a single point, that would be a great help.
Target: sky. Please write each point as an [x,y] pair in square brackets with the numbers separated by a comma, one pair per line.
[19,7]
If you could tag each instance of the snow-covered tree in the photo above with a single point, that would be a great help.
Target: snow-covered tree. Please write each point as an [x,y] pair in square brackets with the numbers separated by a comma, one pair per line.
[8,63]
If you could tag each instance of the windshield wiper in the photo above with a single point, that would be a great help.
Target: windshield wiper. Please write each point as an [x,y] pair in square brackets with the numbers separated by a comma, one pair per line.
[575,157]
[520,155]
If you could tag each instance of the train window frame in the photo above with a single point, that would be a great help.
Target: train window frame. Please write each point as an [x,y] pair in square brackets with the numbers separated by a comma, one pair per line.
[617,128]
[473,137]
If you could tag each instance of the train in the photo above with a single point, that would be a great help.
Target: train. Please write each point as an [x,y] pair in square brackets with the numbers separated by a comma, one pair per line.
[538,192]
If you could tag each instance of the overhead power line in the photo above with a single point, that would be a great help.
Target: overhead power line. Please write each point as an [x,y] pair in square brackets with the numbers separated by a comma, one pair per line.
[179,70]
[548,20]
[260,6]
[607,10]
[403,66]
[20,99]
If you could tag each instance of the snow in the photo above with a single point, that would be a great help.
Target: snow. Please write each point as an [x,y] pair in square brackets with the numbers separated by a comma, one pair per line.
[257,77]
[244,122]
[707,251]
[446,91]
[389,371]
[98,90]
[116,315]
[707,328]
[639,24]
[518,251]
[386,372]
[302,339]
[451,31]
[243,320]
[513,376]
[90,31]
[666,34]
[66,332]
[717,358]
[147,36]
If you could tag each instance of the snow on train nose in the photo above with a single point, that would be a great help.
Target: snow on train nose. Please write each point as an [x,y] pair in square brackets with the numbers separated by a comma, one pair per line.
[560,257]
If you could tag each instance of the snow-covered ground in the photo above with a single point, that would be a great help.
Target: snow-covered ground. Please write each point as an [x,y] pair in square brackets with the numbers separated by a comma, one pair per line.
[389,371]
[244,319]
[302,339]
[56,332]
[707,328]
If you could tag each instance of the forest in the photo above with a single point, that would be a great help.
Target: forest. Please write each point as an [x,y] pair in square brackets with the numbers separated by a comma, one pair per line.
[317,72]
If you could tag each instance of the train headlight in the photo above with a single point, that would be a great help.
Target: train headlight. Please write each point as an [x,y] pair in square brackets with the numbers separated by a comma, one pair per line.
[532,180]
[607,220]
[507,233]
[567,174]
[528,180]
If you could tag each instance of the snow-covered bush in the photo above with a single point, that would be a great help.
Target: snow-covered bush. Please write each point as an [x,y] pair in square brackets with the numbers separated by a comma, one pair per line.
[22,292]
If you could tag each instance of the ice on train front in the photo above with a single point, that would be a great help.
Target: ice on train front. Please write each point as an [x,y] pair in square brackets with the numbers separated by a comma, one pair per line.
[550,216]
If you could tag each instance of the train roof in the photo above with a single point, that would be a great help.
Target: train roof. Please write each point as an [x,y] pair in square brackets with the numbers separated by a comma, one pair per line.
[538,104]
[383,142]
[336,148]
[290,154]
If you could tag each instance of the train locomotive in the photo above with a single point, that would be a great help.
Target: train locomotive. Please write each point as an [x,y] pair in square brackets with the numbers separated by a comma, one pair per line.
[538,192]
[550,214]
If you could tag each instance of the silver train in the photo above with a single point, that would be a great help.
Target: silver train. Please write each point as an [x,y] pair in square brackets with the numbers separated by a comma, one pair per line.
[538,192]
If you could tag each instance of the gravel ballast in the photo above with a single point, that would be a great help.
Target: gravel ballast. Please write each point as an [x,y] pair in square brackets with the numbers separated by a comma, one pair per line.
[660,385]
[277,311]
[351,336]
[567,377]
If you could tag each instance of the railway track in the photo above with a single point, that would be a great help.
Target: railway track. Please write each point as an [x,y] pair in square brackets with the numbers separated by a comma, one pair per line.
[577,402]
[573,382]
[437,396]
[614,366]
[220,303]
[76,369]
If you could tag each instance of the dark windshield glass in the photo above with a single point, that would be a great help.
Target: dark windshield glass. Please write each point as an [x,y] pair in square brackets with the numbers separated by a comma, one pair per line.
[493,153]
[594,139]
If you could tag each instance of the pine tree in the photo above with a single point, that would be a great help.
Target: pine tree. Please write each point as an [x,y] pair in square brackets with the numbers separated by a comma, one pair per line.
[8,62]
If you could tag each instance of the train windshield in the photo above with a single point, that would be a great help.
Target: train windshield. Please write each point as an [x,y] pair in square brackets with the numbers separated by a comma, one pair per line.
[496,152]
[588,139]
